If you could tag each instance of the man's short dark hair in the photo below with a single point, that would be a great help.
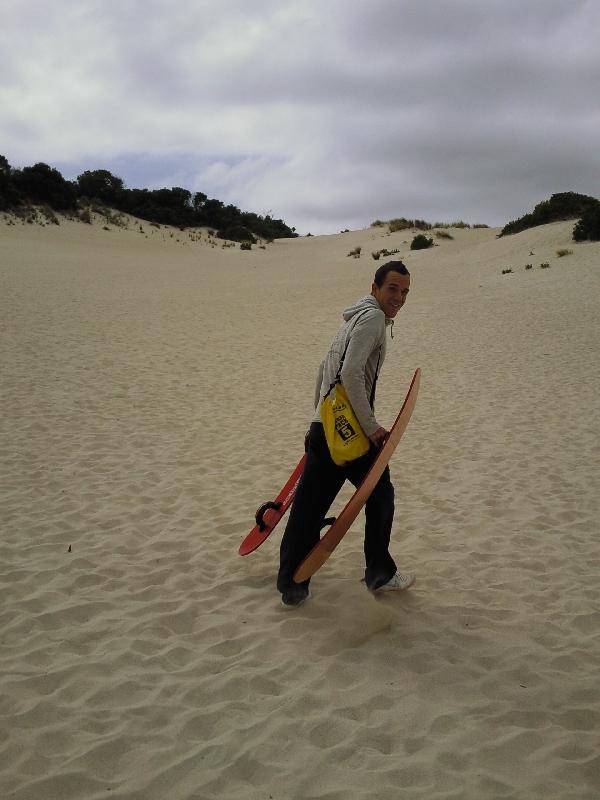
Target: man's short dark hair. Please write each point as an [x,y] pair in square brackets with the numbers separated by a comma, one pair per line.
[391,266]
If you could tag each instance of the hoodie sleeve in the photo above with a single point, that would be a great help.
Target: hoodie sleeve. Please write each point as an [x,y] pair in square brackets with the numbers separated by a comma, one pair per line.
[364,338]
[318,385]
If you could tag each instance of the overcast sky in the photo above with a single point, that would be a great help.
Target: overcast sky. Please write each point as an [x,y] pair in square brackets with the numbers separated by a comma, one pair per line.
[327,113]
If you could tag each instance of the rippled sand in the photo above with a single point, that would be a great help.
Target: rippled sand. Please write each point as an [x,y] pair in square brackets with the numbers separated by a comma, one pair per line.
[154,392]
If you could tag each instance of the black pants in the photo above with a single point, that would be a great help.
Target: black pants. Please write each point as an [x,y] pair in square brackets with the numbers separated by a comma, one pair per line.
[321,481]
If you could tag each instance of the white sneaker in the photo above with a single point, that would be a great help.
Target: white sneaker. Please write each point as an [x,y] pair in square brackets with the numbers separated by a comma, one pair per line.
[398,581]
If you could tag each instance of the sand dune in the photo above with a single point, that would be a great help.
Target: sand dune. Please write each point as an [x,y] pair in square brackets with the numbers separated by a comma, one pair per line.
[155,391]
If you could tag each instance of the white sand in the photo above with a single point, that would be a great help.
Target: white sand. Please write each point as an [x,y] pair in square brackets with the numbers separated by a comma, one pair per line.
[154,392]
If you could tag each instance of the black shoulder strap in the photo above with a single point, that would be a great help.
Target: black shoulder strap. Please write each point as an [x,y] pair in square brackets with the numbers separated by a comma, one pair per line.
[339,372]
[372,398]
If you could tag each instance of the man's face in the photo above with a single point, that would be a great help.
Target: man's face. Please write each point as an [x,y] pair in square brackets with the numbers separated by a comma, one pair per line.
[392,295]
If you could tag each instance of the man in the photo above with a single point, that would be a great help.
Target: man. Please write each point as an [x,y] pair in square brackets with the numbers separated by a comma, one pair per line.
[362,337]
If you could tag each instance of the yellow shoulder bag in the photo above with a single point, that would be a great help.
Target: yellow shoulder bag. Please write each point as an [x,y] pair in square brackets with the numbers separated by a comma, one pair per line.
[345,438]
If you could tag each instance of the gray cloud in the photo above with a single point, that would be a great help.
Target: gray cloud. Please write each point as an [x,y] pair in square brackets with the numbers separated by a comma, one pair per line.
[328,114]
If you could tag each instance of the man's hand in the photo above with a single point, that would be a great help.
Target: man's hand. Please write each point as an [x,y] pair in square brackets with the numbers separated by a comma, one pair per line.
[379,437]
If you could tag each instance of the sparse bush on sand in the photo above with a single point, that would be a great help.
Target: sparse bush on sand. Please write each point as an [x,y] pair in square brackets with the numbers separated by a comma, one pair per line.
[49,214]
[385,253]
[402,224]
[246,246]
[355,253]
[564,252]
[507,271]
[421,242]
[443,235]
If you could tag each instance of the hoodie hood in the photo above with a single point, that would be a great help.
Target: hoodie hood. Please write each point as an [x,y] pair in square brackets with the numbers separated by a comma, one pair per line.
[361,305]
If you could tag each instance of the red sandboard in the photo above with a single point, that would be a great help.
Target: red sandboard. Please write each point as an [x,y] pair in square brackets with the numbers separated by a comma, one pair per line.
[269,514]
[321,551]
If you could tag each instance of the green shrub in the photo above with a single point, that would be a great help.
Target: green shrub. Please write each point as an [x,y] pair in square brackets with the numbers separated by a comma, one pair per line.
[421,242]
[564,205]
[44,184]
[246,246]
[400,224]
[588,226]
[236,232]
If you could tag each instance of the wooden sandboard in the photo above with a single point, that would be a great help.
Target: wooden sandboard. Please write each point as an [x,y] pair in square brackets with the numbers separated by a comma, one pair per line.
[269,514]
[325,547]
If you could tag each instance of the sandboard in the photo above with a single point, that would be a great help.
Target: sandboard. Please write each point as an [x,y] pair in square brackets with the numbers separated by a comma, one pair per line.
[330,540]
[269,514]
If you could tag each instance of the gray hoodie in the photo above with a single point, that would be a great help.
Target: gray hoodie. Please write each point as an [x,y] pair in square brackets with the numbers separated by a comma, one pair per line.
[363,330]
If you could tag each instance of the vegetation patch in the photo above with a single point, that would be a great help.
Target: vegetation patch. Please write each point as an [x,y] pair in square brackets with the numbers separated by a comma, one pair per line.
[49,214]
[402,224]
[421,242]
[384,252]
[41,184]
[588,227]
[562,206]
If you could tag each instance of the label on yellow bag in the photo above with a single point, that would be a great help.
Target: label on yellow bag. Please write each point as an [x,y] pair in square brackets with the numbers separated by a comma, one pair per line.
[345,438]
